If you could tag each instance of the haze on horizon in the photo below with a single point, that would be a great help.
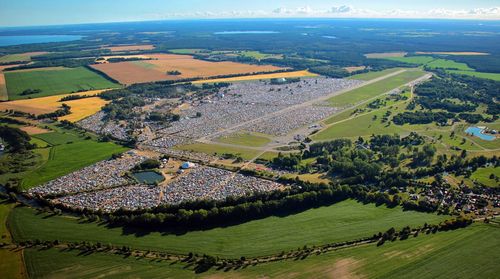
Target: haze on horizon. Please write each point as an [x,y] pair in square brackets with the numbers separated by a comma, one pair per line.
[55,12]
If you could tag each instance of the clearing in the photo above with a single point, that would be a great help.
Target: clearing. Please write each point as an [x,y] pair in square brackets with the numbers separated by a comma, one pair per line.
[129,48]
[246,139]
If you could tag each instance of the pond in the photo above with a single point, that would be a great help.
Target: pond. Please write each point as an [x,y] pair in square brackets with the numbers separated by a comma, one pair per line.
[32,39]
[478,132]
[148,177]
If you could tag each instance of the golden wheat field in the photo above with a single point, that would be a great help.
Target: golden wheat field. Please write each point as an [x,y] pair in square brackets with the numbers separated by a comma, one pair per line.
[129,48]
[80,108]
[293,74]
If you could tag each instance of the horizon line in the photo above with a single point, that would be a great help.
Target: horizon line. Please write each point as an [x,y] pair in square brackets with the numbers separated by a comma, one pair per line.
[252,18]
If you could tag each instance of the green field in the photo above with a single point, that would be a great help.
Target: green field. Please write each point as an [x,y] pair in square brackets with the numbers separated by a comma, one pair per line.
[245,139]
[244,153]
[482,175]
[375,89]
[259,55]
[363,125]
[420,60]
[343,221]
[465,253]
[15,58]
[493,76]
[54,82]
[11,264]
[374,75]
[67,153]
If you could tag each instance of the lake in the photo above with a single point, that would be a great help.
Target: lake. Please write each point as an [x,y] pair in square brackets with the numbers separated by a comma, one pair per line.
[33,39]
[244,32]
[148,177]
[478,132]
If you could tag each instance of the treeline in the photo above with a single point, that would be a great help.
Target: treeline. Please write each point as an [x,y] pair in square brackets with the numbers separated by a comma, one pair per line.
[68,63]
[16,139]
[207,214]
[422,117]
[64,110]
[75,97]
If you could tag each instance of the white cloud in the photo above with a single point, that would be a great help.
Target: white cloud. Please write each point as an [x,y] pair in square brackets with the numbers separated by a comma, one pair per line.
[346,11]
[341,9]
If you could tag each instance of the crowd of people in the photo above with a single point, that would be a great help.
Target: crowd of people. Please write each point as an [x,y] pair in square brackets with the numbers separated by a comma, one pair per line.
[198,183]
[283,123]
[96,123]
[246,101]
[214,184]
[127,197]
[104,174]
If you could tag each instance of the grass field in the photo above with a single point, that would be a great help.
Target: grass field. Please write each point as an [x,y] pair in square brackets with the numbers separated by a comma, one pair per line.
[68,152]
[246,139]
[19,57]
[482,175]
[346,220]
[294,74]
[374,74]
[420,60]
[11,263]
[465,253]
[493,76]
[244,153]
[80,108]
[363,125]
[54,82]
[372,90]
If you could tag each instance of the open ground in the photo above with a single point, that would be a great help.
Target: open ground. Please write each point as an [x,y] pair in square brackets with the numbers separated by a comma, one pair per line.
[156,69]
[54,82]
[343,221]
[80,108]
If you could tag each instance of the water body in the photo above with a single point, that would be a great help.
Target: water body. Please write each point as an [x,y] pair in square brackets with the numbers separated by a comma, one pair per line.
[33,39]
[244,32]
[148,177]
[478,132]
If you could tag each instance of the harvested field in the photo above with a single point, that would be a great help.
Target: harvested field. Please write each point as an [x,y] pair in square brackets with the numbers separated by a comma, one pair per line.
[34,130]
[294,74]
[385,54]
[4,96]
[354,68]
[155,70]
[129,47]
[80,108]
[452,52]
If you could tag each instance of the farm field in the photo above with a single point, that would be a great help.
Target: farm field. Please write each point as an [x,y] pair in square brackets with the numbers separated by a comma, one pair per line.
[68,152]
[54,82]
[189,67]
[129,48]
[293,74]
[343,221]
[80,108]
[244,153]
[20,57]
[467,253]
[372,90]
[246,139]
[12,262]
[385,54]
[452,53]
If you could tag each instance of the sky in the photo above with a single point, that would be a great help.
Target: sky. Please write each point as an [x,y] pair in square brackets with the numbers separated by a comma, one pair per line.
[50,12]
